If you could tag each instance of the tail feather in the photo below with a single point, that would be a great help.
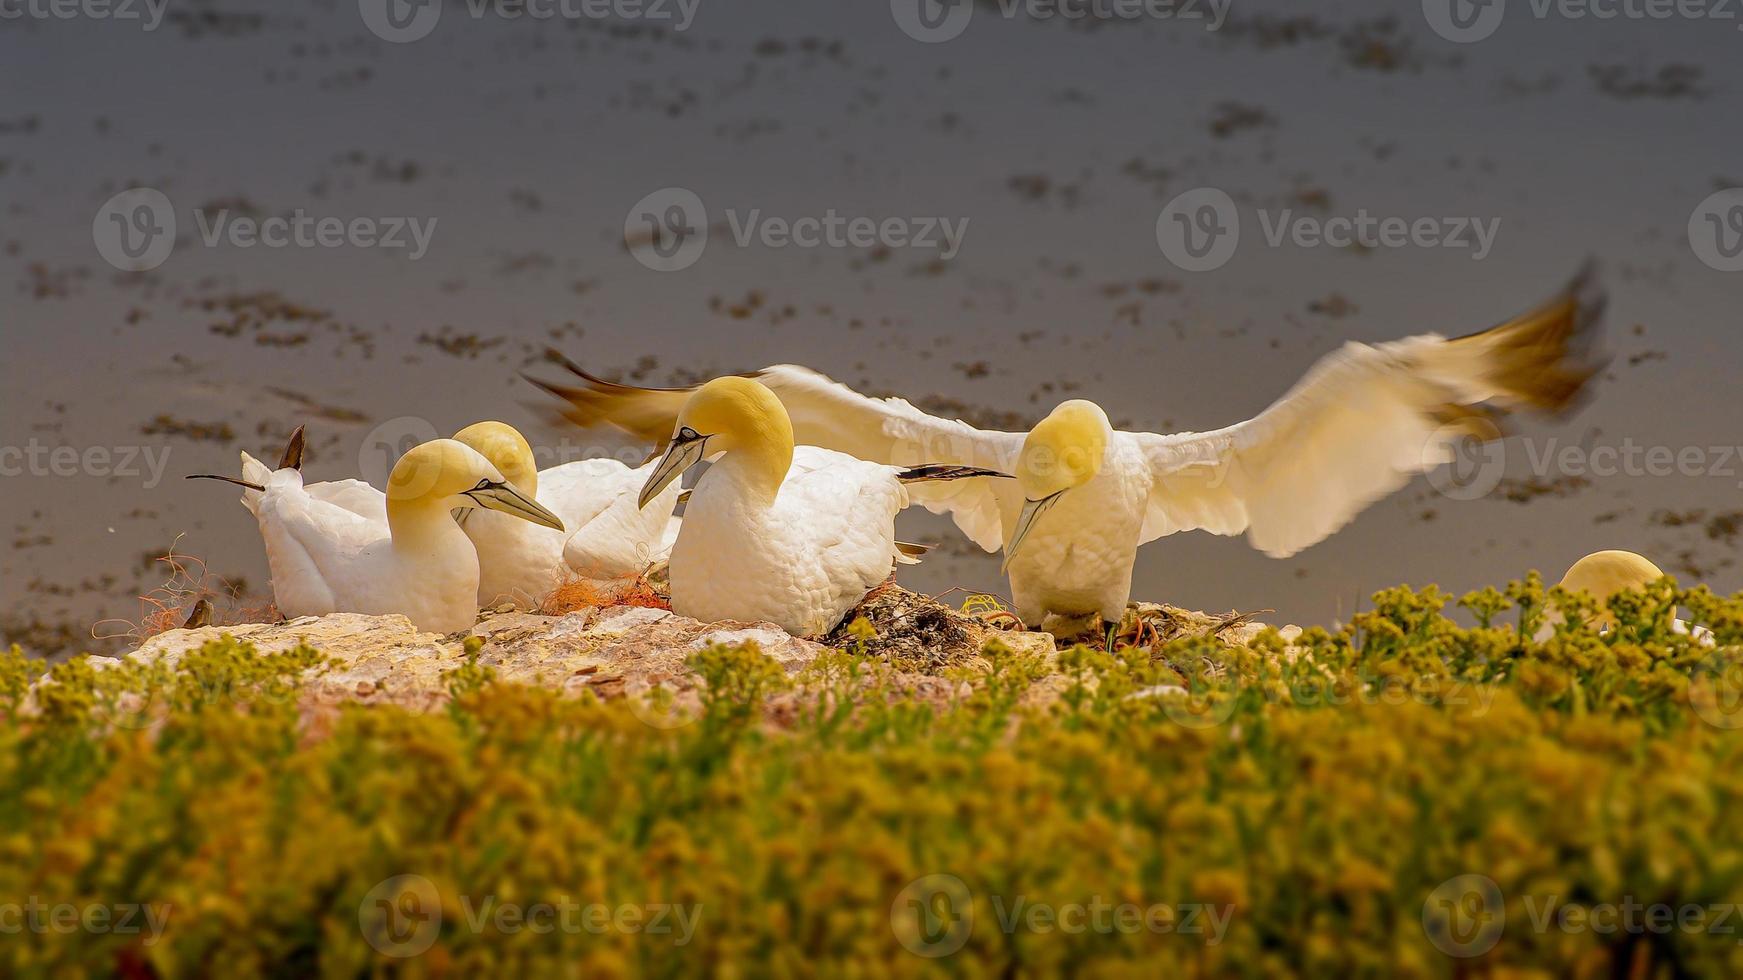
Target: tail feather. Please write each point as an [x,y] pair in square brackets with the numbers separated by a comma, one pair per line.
[909,553]
[649,414]
[946,471]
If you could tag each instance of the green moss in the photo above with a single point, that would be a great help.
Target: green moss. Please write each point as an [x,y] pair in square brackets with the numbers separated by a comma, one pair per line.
[1318,793]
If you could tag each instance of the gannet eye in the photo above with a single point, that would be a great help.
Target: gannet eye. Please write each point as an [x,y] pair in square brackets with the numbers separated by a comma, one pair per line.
[686,434]
[482,485]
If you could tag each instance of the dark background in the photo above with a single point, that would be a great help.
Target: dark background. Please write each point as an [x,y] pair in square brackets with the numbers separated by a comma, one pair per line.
[529,142]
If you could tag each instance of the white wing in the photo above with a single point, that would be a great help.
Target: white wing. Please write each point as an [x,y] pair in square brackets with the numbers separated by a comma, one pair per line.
[353,495]
[313,547]
[831,415]
[1360,424]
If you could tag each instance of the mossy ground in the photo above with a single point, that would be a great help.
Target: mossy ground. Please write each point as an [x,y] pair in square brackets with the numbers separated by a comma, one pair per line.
[1405,797]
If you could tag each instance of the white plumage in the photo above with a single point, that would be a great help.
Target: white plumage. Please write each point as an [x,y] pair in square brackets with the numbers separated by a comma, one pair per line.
[802,562]
[1359,425]
[416,562]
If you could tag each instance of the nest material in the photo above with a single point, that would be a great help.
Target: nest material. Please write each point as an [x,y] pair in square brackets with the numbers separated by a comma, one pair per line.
[914,632]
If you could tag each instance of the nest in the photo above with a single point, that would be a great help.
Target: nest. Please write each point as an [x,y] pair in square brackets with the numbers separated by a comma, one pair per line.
[914,632]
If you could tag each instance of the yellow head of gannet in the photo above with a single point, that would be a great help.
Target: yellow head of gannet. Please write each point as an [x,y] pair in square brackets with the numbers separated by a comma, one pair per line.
[442,475]
[1605,573]
[505,447]
[729,415]
[1062,452]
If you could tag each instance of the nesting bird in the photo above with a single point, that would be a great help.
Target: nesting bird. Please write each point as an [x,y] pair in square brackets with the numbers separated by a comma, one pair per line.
[1363,421]
[792,535]
[326,558]
[609,539]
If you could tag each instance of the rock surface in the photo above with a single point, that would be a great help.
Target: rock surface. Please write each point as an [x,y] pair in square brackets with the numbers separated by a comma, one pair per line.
[628,651]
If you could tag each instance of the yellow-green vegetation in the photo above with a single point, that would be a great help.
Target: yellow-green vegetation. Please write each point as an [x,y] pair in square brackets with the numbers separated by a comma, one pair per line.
[1408,797]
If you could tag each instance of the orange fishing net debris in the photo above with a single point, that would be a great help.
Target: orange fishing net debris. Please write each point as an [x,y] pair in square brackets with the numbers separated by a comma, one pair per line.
[168,606]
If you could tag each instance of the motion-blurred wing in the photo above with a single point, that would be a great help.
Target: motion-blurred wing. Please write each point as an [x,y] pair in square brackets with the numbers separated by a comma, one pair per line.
[1362,422]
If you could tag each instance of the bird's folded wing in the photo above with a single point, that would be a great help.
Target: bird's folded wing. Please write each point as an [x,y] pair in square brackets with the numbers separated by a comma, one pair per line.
[353,495]
[1362,422]
[581,490]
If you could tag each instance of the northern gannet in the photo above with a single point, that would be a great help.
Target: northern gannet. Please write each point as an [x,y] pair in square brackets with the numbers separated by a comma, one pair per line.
[325,558]
[610,537]
[791,536]
[1603,574]
[1359,425]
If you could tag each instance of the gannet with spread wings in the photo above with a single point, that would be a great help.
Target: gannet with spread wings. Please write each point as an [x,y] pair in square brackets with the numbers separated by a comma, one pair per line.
[1359,425]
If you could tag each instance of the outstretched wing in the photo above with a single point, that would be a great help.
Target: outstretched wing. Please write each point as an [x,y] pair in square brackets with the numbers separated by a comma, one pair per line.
[1362,422]
[829,414]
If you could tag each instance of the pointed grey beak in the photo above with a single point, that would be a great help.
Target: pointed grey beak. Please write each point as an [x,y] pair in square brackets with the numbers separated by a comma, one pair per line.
[508,500]
[680,456]
[1032,511]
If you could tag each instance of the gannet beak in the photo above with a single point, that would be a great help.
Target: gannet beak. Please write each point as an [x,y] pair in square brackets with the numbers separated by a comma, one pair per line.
[508,500]
[687,450]
[1032,511]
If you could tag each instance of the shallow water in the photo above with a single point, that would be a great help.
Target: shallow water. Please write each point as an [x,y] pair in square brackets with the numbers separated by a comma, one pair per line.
[529,144]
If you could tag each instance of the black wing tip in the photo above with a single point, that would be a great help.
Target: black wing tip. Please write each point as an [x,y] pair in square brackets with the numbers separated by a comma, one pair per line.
[947,471]
[292,457]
